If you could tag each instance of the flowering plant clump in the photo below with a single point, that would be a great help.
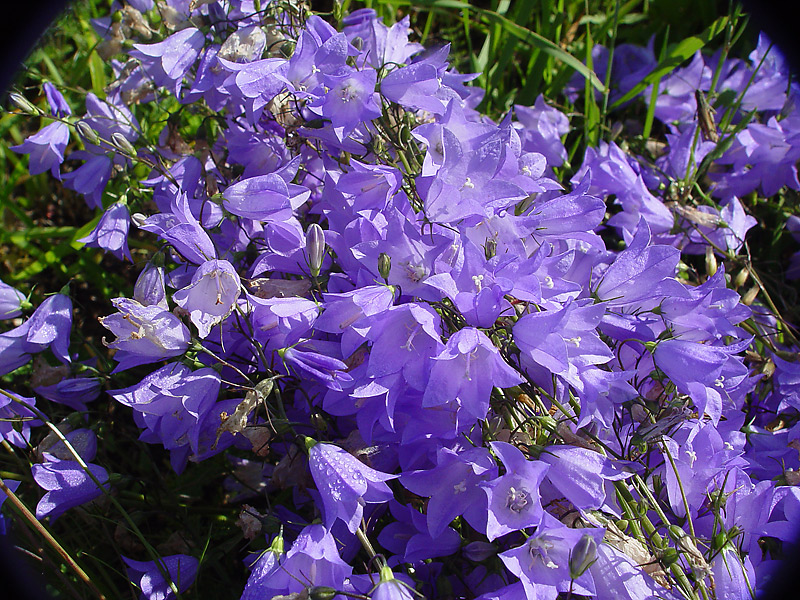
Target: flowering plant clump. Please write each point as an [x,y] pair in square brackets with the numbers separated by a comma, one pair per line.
[430,364]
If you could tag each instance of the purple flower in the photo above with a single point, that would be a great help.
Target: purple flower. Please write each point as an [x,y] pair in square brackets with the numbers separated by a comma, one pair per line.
[11,301]
[327,370]
[542,562]
[346,484]
[410,541]
[90,179]
[46,149]
[111,232]
[150,289]
[67,485]
[465,371]
[74,393]
[168,61]
[50,326]
[349,101]
[148,577]
[453,487]
[16,419]
[211,296]
[145,334]
[313,560]
[514,502]
[58,106]
[171,404]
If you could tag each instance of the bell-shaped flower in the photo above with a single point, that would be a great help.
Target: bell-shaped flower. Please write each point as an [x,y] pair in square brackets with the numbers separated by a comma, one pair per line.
[514,502]
[11,301]
[111,232]
[313,560]
[46,149]
[149,577]
[465,371]
[327,370]
[145,334]
[542,562]
[453,487]
[346,484]
[150,289]
[67,484]
[73,392]
[581,475]
[349,101]
[50,326]
[16,419]
[90,178]
[211,296]
[408,538]
[168,61]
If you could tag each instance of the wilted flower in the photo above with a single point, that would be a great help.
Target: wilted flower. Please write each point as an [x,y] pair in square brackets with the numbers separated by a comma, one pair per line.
[144,334]
[210,297]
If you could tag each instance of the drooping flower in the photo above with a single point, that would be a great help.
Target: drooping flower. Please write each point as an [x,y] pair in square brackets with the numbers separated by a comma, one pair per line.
[111,232]
[46,149]
[149,577]
[211,296]
[11,301]
[145,334]
[67,484]
[346,484]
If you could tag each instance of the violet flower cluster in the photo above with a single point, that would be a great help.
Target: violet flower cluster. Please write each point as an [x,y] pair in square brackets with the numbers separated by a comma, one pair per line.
[395,309]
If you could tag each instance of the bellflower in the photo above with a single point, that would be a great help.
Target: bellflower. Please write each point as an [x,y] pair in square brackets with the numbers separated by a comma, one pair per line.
[148,577]
[16,419]
[453,486]
[111,232]
[346,484]
[168,61]
[542,562]
[211,296]
[145,334]
[465,371]
[46,149]
[514,502]
[11,301]
[67,486]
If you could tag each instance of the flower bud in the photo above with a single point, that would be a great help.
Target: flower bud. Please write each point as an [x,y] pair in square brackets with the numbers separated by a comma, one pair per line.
[711,261]
[479,551]
[22,103]
[122,144]
[741,278]
[750,295]
[322,592]
[87,133]
[583,555]
[384,265]
[315,248]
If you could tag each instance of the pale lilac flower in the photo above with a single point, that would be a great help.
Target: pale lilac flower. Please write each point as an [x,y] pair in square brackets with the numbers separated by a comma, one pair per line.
[211,296]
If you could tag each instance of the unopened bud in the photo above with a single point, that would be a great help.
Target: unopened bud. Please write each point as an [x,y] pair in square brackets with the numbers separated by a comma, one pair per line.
[750,296]
[87,133]
[490,249]
[315,248]
[583,556]
[711,261]
[741,278]
[322,592]
[22,103]
[479,551]
[122,144]
[384,265]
